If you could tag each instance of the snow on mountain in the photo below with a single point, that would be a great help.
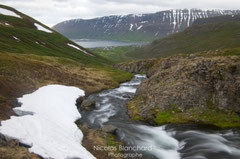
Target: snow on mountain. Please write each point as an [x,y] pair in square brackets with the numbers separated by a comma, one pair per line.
[46,123]
[9,13]
[157,25]
[40,27]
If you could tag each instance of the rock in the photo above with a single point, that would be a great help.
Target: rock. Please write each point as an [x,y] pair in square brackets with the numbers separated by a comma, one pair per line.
[140,66]
[80,100]
[109,128]
[87,105]
[183,83]
[3,141]
[126,96]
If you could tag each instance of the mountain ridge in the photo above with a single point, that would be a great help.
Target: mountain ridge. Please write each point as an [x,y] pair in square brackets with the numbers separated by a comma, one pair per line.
[204,35]
[142,27]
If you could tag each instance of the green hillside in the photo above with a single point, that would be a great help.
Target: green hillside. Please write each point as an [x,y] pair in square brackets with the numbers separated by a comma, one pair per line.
[20,35]
[33,55]
[205,34]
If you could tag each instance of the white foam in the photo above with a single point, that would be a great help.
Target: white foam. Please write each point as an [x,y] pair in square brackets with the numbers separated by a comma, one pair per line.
[47,124]
[163,145]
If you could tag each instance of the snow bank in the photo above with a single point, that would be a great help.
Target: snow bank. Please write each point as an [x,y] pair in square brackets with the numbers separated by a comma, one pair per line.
[40,27]
[75,47]
[46,123]
[9,13]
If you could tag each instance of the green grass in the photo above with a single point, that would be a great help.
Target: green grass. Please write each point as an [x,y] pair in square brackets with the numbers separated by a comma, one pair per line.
[116,54]
[231,52]
[197,38]
[42,58]
[112,141]
[50,44]
[209,116]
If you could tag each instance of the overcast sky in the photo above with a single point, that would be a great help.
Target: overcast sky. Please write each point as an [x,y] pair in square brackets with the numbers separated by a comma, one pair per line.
[51,12]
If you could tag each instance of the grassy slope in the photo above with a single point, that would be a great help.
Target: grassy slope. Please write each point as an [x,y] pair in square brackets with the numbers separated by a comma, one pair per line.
[40,58]
[206,35]
[52,44]
[26,65]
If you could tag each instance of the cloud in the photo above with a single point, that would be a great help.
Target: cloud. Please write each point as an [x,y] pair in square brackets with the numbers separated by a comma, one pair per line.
[51,12]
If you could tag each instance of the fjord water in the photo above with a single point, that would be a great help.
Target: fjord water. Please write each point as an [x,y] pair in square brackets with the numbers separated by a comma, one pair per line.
[91,43]
[164,142]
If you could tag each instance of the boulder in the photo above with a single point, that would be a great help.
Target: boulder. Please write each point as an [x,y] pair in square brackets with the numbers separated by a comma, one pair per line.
[109,128]
[87,105]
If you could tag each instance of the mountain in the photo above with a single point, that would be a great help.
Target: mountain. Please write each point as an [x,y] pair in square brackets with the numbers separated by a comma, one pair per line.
[145,27]
[205,34]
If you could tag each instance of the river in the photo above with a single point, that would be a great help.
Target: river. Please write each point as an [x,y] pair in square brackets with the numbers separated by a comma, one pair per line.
[162,142]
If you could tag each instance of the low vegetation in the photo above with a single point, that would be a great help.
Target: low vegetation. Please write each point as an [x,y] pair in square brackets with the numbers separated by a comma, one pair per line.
[188,81]
[204,35]
[210,115]
[20,73]
[116,54]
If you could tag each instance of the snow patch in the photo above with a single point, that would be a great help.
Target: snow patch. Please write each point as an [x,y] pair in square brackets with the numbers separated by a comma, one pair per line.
[131,27]
[9,13]
[48,123]
[139,27]
[75,47]
[14,37]
[40,27]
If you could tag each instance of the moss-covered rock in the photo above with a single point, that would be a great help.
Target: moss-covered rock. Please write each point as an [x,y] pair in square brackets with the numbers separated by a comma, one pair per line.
[210,116]
[181,89]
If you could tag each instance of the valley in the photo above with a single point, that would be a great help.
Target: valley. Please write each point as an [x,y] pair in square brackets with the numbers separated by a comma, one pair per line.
[166,82]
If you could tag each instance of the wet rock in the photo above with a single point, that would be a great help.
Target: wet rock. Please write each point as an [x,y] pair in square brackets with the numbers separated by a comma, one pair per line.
[87,105]
[80,100]
[109,128]
[126,96]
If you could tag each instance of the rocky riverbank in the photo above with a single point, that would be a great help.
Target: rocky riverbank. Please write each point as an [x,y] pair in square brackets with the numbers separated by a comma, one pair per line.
[189,88]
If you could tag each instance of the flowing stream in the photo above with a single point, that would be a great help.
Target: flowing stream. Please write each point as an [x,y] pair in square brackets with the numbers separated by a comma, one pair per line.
[164,142]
